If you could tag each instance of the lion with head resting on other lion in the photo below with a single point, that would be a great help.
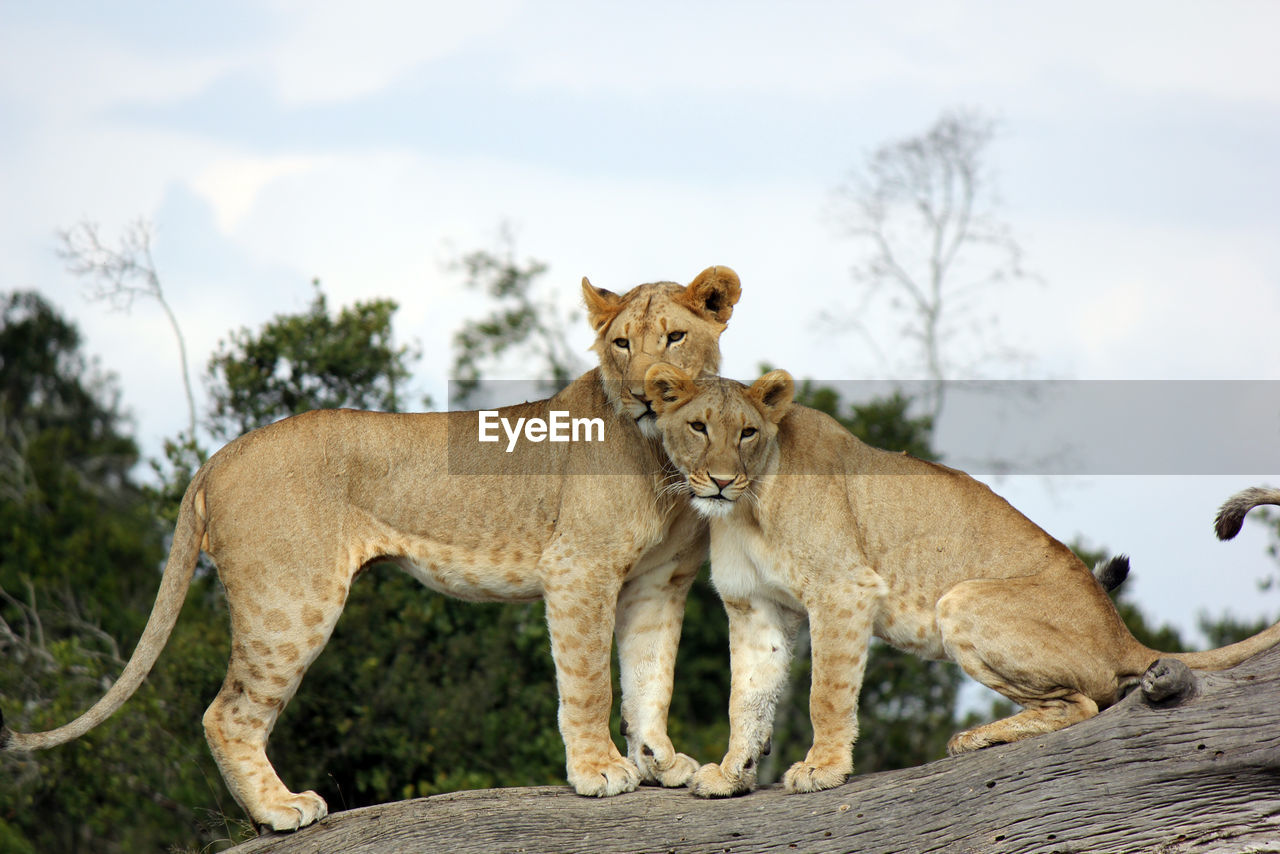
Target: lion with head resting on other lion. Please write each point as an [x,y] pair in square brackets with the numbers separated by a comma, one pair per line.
[807,521]
[291,513]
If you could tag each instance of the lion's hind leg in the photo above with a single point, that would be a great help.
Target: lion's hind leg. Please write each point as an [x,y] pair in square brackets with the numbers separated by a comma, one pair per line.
[1040,716]
[272,644]
[1010,635]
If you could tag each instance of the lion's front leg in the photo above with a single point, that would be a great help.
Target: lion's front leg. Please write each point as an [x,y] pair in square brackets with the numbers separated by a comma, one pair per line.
[650,613]
[580,622]
[841,614]
[761,636]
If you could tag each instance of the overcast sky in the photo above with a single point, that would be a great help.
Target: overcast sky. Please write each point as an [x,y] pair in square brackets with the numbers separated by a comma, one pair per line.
[368,144]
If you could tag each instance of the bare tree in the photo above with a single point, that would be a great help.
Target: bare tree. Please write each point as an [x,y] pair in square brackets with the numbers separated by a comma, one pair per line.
[923,210]
[121,273]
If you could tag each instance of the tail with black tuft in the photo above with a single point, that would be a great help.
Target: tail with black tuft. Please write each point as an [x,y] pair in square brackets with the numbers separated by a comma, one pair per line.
[1112,572]
[1231,514]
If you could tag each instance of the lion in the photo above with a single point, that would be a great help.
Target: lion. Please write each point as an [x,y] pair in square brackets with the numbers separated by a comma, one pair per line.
[807,521]
[292,512]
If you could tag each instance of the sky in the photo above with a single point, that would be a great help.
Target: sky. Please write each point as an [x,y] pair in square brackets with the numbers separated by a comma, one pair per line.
[369,145]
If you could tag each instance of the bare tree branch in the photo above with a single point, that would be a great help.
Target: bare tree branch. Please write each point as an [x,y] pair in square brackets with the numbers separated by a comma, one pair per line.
[923,209]
[120,274]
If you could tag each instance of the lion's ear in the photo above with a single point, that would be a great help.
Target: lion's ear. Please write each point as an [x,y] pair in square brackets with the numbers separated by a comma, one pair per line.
[602,305]
[714,293]
[773,393]
[667,387]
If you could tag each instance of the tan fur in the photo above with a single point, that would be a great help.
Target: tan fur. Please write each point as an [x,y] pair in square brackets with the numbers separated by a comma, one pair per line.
[808,521]
[292,512]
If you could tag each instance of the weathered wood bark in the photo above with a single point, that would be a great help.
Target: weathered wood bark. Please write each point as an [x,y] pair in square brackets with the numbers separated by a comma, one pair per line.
[1189,763]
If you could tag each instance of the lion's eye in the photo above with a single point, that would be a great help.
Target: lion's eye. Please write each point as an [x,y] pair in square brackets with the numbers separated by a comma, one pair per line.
[748,432]
[698,426]
[673,337]
[622,343]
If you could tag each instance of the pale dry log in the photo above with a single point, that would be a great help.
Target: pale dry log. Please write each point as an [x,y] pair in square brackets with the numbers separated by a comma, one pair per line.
[1188,763]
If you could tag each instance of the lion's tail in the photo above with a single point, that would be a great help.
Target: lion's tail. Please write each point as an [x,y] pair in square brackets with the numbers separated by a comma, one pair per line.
[1230,655]
[1227,524]
[1231,514]
[175,581]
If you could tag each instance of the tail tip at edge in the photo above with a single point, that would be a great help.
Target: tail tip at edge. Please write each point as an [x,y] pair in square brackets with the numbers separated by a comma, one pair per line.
[6,735]
[1231,514]
[1228,521]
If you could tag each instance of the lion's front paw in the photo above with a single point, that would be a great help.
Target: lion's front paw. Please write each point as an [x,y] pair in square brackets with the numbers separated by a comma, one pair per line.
[605,780]
[291,812]
[710,781]
[968,741]
[680,772]
[669,770]
[803,777]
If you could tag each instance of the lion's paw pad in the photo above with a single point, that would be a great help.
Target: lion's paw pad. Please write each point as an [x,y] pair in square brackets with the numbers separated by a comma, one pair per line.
[803,777]
[967,742]
[677,771]
[292,812]
[614,778]
[710,781]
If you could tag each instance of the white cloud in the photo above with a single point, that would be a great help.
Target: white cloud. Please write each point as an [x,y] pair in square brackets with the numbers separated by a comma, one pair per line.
[335,51]
[231,185]
[1137,300]
[1220,50]
[973,50]
[70,74]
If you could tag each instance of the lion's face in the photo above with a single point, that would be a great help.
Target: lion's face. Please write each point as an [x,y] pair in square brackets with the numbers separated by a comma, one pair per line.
[662,322]
[720,434]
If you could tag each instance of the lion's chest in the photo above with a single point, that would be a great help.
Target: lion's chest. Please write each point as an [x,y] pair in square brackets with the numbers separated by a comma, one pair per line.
[744,565]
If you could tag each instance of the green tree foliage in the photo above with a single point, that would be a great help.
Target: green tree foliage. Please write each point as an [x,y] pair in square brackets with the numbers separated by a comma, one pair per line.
[80,551]
[79,560]
[1272,521]
[699,717]
[418,693]
[66,461]
[306,361]
[520,325]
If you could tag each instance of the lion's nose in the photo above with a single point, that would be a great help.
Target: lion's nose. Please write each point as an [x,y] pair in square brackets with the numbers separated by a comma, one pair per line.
[721,483]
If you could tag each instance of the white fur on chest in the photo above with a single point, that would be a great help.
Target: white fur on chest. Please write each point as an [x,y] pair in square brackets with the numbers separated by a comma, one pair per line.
[745,566]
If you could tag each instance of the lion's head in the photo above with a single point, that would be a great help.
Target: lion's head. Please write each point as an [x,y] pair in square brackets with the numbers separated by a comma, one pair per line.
[662,322]
[720,434]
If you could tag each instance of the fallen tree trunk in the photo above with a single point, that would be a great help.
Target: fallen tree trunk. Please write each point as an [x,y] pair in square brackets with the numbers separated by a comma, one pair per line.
[1189,763]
